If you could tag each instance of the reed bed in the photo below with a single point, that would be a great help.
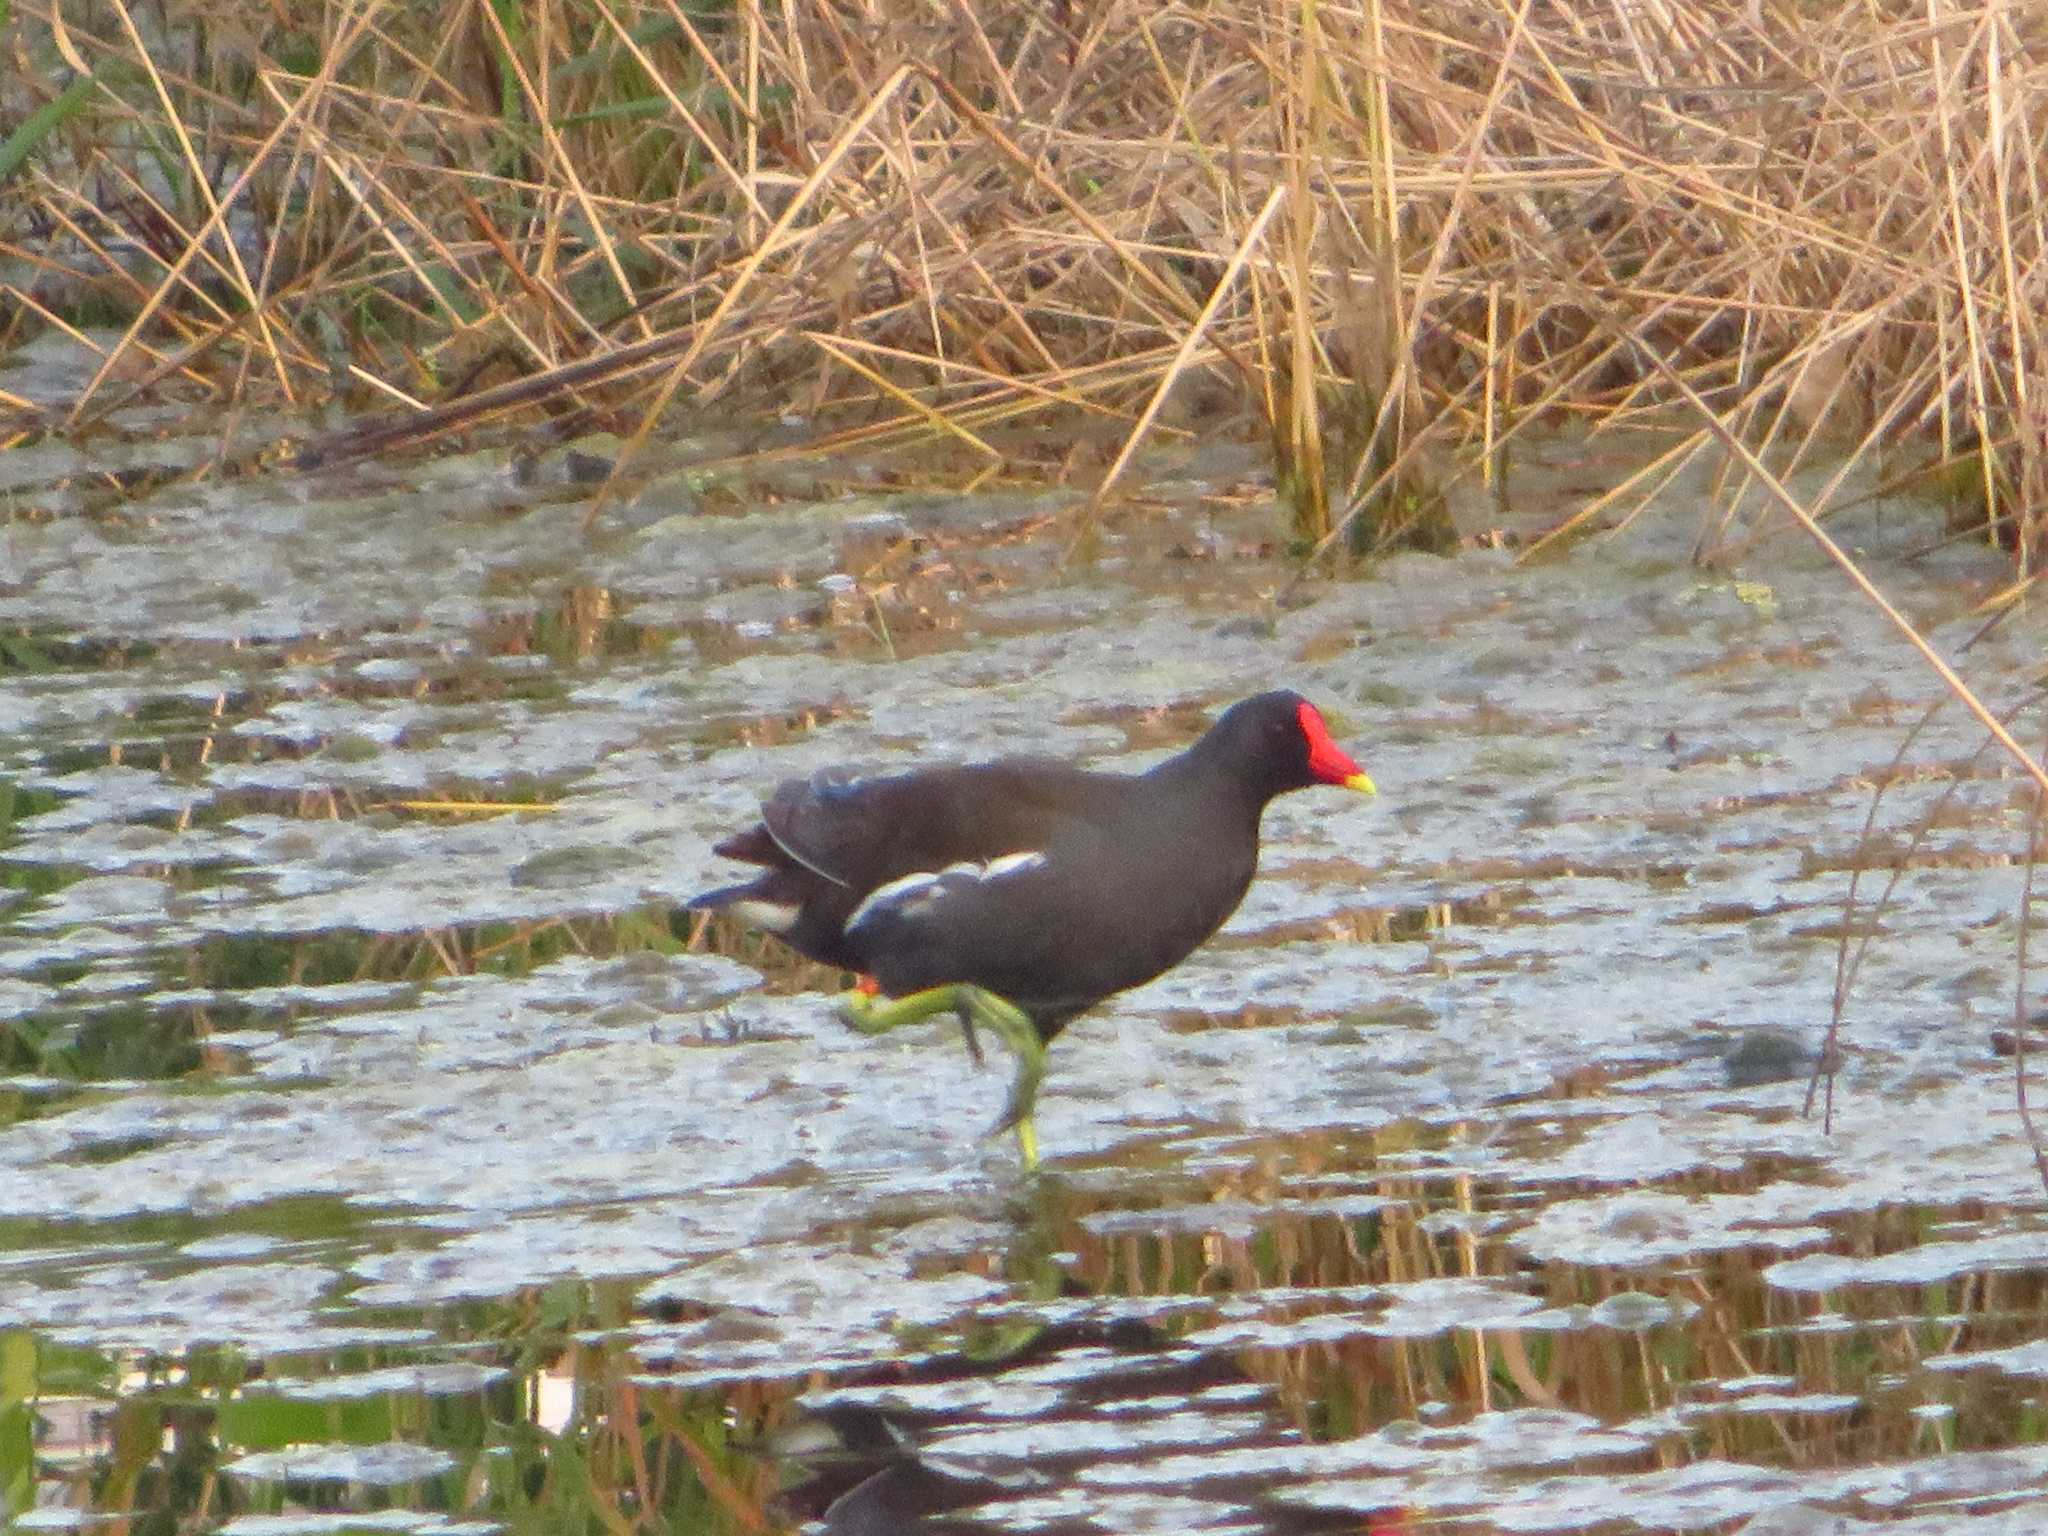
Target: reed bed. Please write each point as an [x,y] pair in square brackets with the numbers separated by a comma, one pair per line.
[1395,236]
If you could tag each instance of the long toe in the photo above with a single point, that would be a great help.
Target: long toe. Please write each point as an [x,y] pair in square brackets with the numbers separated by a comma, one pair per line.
[1027,1142]
[1017,1110]
[969,1034]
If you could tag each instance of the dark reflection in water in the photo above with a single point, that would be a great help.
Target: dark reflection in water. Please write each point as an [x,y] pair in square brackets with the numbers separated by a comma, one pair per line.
[1354,1354]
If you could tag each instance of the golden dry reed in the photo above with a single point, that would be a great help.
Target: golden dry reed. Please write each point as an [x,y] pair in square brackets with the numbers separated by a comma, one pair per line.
[1396,234]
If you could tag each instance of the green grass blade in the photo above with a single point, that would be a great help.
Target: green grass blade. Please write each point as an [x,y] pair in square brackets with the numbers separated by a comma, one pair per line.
[41,123]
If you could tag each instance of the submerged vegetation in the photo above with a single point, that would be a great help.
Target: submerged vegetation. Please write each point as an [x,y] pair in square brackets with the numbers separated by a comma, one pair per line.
[1389,235]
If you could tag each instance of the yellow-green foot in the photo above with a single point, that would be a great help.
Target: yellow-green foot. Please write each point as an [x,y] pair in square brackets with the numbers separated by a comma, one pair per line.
[873,1014]
[1027,1141]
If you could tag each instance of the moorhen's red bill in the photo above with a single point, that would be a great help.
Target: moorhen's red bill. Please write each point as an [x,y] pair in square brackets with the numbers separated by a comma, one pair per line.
[1021,892]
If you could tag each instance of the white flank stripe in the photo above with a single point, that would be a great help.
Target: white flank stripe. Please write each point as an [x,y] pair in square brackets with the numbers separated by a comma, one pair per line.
[882,895]
[773,916]
[905,888]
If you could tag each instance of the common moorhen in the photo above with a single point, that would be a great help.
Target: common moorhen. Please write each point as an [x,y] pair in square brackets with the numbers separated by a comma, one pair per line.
[1021,892]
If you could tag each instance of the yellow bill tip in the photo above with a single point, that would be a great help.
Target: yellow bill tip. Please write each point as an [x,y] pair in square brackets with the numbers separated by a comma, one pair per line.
[1362,783]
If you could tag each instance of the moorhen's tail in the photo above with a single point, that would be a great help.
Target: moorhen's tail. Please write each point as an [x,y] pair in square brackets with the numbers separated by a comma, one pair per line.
[773,901]
[753,846]
[724,896]
[756,845]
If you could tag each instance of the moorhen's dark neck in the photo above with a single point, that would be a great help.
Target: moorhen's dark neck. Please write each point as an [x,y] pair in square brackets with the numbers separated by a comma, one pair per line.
[1215,770]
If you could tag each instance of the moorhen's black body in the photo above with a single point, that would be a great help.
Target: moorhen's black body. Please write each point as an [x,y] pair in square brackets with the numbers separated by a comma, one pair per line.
[1019,893]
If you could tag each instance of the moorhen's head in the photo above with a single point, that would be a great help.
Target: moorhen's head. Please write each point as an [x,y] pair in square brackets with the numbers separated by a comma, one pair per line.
[1276,742]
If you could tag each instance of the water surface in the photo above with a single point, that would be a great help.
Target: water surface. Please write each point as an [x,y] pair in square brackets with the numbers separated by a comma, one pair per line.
[383,1150]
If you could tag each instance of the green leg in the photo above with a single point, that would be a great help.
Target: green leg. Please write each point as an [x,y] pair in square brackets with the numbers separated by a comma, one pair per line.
[976,1006]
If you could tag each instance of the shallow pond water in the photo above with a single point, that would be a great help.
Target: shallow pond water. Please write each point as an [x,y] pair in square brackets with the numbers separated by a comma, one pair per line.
[381,1148]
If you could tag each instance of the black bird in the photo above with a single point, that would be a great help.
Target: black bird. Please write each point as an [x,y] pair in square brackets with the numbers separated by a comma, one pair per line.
[1021,892]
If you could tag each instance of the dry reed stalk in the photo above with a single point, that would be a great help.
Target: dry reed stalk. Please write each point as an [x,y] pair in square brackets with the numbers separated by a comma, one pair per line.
[1187,348]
